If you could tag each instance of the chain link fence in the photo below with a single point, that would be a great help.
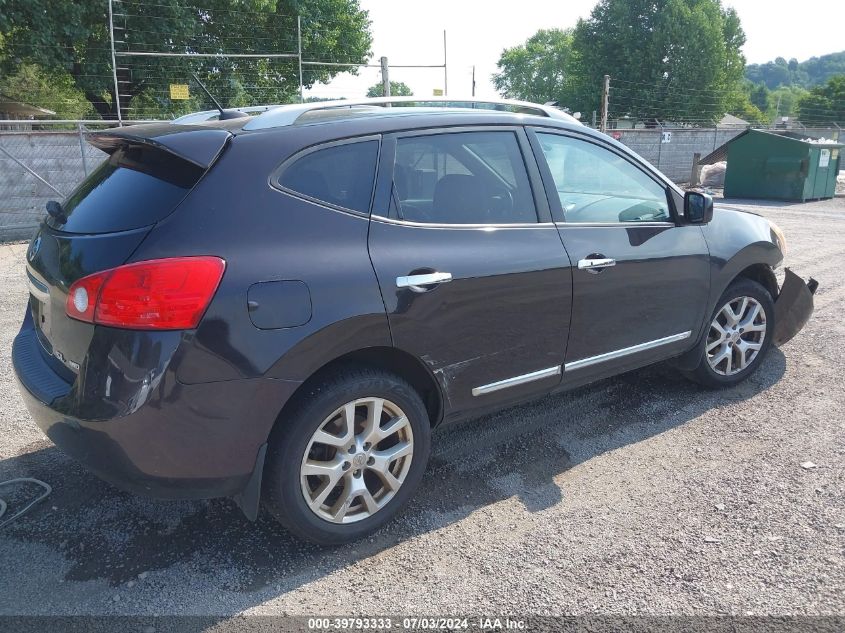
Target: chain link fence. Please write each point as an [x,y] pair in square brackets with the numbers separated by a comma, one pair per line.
[46,160]
[41,161]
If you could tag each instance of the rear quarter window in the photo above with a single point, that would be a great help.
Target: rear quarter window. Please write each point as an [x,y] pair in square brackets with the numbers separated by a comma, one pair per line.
[135,186]
[339,175]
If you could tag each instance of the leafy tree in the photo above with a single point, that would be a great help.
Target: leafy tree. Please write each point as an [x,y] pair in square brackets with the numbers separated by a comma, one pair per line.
[397,89]
[72,37]
[783,101]
[749,112]
[759,96]
[669,60]
[537,70]
[824,104]
[54,91]
[815,71]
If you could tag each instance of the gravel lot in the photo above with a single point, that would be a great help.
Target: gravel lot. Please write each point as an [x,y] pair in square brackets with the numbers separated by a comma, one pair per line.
[642,494]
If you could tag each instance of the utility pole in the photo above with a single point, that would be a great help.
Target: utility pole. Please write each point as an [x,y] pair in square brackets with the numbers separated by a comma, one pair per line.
[605,96]
[473,80]
[385,77]
[114,65]
[299,55]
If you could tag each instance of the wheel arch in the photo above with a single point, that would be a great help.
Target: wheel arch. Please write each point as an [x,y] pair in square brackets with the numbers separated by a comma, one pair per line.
[391,359]
[759,272]
[762,274]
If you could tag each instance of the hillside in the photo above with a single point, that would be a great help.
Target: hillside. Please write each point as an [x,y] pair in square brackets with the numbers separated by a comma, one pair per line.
[813,72]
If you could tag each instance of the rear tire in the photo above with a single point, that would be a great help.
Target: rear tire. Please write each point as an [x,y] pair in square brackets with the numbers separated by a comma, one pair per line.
[348,457]
[738,337]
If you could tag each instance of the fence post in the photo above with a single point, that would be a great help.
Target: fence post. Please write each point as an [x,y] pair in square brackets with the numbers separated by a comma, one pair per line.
[659,144]
[445,69]
[114,65]
[715,136]
[82,149]
[695,174]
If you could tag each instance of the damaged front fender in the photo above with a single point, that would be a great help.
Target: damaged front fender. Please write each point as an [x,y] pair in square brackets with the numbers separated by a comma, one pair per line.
[793,307]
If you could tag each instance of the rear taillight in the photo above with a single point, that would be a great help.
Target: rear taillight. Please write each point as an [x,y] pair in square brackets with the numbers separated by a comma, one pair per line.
[159,294]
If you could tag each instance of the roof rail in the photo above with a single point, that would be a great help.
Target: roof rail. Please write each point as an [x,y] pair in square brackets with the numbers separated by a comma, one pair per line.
[213,115]
[281,116]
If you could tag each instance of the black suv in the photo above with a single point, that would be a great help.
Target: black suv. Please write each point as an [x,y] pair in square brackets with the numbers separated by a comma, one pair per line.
[283,306]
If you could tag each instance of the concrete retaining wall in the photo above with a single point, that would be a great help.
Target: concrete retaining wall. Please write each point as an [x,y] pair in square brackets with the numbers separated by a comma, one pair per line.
[672,150]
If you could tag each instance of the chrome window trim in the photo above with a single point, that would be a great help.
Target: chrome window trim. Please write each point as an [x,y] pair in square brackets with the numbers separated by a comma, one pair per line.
[615,147]
[516,380]
[625,351]
[273,180]
[602,225]
[523,145]
[431,225]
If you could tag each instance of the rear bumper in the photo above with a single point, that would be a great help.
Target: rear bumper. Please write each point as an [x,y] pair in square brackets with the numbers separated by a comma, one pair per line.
[793,307]
[159,438]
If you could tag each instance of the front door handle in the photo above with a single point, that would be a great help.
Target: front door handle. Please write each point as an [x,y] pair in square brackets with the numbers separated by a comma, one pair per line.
[595,264]
[418,283]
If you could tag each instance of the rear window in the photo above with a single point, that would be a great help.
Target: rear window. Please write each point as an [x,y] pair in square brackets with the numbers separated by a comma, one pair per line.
[136,186]
[340,175]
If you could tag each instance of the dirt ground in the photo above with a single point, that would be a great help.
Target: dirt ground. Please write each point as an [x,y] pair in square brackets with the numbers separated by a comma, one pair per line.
[643,494]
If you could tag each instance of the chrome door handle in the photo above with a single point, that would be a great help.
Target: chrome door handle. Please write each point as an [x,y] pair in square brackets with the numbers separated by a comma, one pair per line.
[596,265]
[417,283]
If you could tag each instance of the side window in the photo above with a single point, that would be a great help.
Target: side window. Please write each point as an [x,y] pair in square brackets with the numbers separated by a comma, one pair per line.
[341,175]
[597,185]
[462,178]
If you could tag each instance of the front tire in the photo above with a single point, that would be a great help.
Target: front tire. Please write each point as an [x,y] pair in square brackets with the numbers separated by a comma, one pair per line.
[348,458]
[738,337]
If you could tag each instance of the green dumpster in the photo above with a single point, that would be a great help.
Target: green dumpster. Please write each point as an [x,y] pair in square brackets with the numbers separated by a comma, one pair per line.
[781,166]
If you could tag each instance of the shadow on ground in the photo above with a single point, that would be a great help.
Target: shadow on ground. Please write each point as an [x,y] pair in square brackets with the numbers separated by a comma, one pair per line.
[105,534]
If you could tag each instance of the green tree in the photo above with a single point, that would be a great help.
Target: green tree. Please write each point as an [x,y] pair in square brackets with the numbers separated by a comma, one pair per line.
[824,104]
[746,110]
[783,101]
[760,96]
[51,90]
[397,89]
[72,37]
[813,72]
[669,60]
[537,70]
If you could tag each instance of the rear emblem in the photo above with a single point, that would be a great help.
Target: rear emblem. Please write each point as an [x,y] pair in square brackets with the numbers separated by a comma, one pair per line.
[33,250]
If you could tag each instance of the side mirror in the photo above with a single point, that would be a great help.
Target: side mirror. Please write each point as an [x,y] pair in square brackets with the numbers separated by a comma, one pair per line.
[698,207]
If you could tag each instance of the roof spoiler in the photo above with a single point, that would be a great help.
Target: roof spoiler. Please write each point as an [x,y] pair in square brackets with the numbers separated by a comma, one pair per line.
[195,144]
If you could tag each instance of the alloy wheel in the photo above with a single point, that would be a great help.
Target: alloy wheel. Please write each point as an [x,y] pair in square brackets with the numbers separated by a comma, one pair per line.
[736,336]
[357,460]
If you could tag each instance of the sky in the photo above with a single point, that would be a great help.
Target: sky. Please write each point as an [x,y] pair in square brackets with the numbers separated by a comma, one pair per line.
[477,31]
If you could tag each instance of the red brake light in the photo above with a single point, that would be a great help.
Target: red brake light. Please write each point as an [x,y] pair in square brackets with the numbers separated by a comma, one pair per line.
[160,294]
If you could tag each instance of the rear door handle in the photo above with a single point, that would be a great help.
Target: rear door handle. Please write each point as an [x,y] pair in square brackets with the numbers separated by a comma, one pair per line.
[418,283]
[595,265]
